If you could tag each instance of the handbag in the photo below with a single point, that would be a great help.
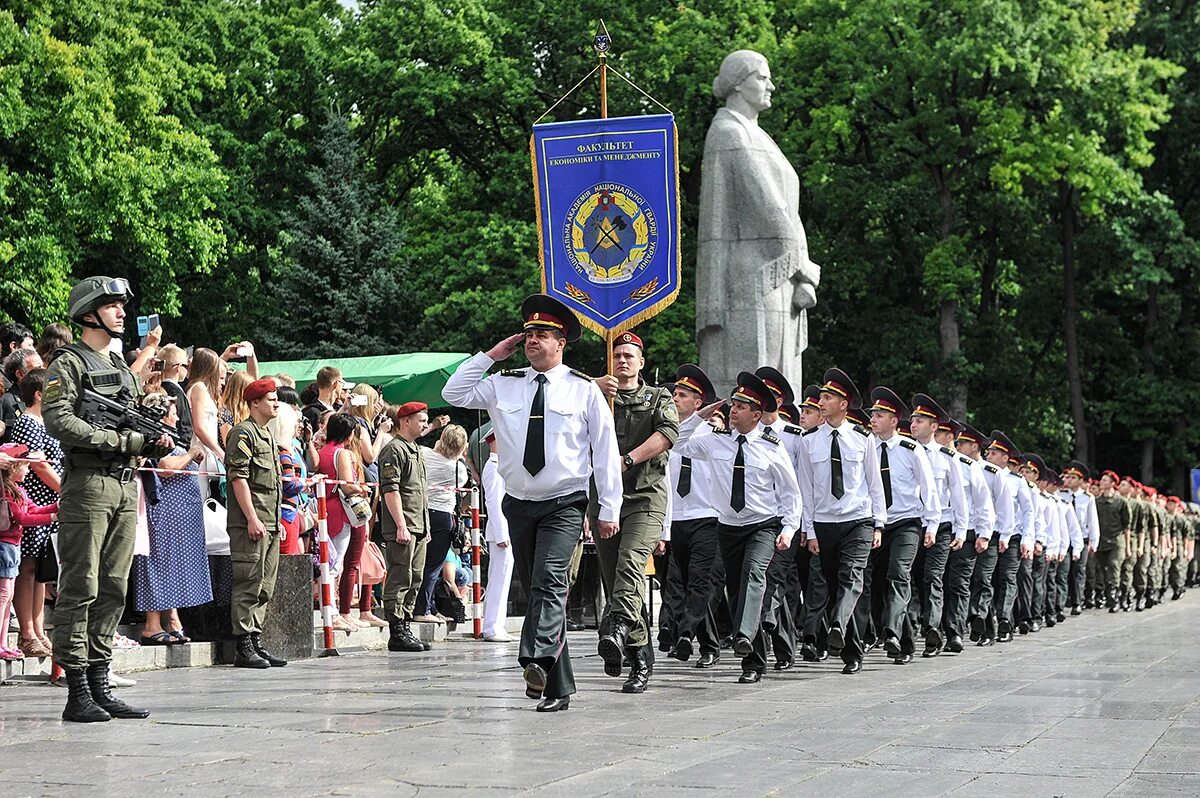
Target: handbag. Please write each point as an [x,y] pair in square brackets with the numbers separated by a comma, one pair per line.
[216,533]
[45,568]
[372,567]
[358,509]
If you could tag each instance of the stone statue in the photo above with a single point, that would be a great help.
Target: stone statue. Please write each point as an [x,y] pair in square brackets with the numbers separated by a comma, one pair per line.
[754,281]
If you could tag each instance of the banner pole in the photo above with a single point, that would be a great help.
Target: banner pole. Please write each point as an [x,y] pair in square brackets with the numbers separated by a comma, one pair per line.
[602,43]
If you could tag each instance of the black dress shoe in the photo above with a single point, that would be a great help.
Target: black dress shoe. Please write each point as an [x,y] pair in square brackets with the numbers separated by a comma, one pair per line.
[727,642]
[784,664]
[1050,622]
[750,677]
[808,653]
[611,649]
[977,628]
[955,644]
[822,655]
[1034,626]
[835,640]
[984,642]
[535,680]
[1060,617]
[555,704]
[1023,627]
[665,643]
[933,642]
[1076,611]
[575,626]
[1140,604]
[708,659]
[1003,629]
[683,649]
[742,646]
[852,668]
[1176,595]
[903,659]
[891,645]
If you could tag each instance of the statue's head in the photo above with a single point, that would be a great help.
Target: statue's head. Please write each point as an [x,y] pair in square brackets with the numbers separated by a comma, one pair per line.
[745,76]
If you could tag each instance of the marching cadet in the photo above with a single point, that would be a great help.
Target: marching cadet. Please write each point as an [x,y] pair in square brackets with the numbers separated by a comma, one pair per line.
[1114,518]
[1158,563]
[1046,544]
[1075,477]
[927,605]
[1146,532]
[646,427]
[1070,547]
[758,504]
[960,566]
[778,621]
[809,418]
[694,529]
[1179,530]
[843,492]
[1013,566]
[910,499]
[1128,490]
[553,430]
[1031,592]
[970,444]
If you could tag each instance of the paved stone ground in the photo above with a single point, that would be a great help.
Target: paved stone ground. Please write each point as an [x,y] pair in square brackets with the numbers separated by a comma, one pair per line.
[1102,705]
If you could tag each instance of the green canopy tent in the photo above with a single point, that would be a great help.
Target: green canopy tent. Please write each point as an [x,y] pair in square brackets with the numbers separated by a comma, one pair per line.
[415,377]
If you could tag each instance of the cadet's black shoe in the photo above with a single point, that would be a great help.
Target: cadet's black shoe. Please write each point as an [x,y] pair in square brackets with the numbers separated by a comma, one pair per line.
[1034,626]
[535,680]
[555,704]
[664,640]
[611,648]
[933,643]
[401,638]
[742,646]
[835,640]
[683,649]
[1023,627]
[1061,617]
[1150,599]
[784,664]
[1076,611]
[639,673]
[97,678]
[808,653]
[852,668]
[750,677]
[978,627]
[247,657]
[575,626]
[708,659]
[727,642]
[81,707]
[984,642]
[955,644]
[1050,622]
[891,645]
[822,655]
[1140,604]
[903,659]
[1004,630]
[274,662]
[1007,637]
[1176,594]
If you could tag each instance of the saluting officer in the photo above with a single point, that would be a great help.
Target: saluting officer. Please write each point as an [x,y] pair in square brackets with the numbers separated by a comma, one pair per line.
[256,488]
[960,567]
[930,565]
[553,431]
[913,512]
[843,491]
[758,506]
[646,427]
[970,444]
[97,514]
[694,529]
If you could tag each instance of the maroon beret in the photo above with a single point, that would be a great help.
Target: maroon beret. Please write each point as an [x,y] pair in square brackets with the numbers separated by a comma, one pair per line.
[410,408]
[258,389]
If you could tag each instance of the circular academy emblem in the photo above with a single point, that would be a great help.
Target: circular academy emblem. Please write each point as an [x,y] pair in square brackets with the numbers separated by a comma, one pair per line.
[611,233]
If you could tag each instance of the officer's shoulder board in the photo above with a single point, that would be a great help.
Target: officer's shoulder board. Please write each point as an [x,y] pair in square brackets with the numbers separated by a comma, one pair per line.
[991,469]
[721,431]
[770,438]
[861,430]
[788,428]
[962,458]
[907,444]
[810,431]
[513,373]
[581,375]
[946,451]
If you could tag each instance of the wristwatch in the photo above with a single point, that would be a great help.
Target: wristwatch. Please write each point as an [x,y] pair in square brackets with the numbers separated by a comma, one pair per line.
[628,461]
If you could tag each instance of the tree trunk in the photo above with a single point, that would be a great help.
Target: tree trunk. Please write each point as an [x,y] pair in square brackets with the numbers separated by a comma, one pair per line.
[1147,468]
[948,329]
[1066,210]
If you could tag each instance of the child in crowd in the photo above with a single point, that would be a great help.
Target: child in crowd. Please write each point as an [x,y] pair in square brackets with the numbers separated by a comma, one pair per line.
[16,513]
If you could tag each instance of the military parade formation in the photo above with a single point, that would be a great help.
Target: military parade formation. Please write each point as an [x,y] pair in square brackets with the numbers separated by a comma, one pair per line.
[804,526]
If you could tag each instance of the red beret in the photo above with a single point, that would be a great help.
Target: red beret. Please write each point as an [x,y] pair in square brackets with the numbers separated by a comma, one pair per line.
[628,338]
[410,408]
[258,389]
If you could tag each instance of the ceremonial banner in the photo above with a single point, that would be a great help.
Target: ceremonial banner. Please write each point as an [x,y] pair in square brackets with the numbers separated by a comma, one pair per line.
[608,217]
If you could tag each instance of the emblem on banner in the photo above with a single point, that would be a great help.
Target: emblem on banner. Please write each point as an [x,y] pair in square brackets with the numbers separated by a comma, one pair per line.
[611,234]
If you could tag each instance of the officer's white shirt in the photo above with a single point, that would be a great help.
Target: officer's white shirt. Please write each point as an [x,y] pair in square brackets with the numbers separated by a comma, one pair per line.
[580,438]
[952,495]
[1074,532]
[1049,520]
[863,486]
[770,482]
[701,499]
[1003,499]
[789,435]
[1084,505]
[493,495]
[1025,513]
[914,494]
[979,497]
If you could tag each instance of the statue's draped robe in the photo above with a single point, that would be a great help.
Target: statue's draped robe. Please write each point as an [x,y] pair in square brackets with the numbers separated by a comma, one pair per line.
[754,281]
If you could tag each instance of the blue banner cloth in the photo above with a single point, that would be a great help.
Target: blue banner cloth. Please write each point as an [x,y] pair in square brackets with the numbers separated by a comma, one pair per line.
[608,217]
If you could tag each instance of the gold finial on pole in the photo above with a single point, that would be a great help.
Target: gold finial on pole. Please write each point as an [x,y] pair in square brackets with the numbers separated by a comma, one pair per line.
[602,43]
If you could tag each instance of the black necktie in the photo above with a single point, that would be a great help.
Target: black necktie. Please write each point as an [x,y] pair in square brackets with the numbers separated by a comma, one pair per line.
[737,496]
[835,467]
[886,473]
[535,434]
[685,476]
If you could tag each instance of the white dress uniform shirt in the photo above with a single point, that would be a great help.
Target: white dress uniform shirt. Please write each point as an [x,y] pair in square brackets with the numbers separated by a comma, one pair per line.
[771,490]
[979,497]
[580,438]
[952,495]
[1025,513]
[1085,510]
[862,484]
[1003,500]
[701,499]
[1075,539]
[914,494]
[790,436]
[1047,509]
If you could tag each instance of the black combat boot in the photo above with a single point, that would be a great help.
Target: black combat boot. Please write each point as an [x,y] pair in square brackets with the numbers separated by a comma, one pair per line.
[274,662]
[247,656]
[97,679]
[611,646]
[639,673]
[1110,599]
[81,707]
[401,637]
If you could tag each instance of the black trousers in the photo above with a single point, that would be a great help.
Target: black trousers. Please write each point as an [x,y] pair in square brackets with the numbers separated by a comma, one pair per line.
[544,535]
[1079,572]
[960,565]
[835,581]
[1040,574]
[1023,611]
[1004,583]
[887,582]
[982,589]
[777,617]
[693,554]
[747,552]
[670,592]
[929,568]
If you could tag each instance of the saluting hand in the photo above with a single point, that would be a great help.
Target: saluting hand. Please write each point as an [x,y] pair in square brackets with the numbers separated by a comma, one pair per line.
[505,349]
[707,411]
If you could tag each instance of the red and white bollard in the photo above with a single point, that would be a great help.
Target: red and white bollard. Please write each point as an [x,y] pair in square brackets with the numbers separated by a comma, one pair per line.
[476,566]
[326,576]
